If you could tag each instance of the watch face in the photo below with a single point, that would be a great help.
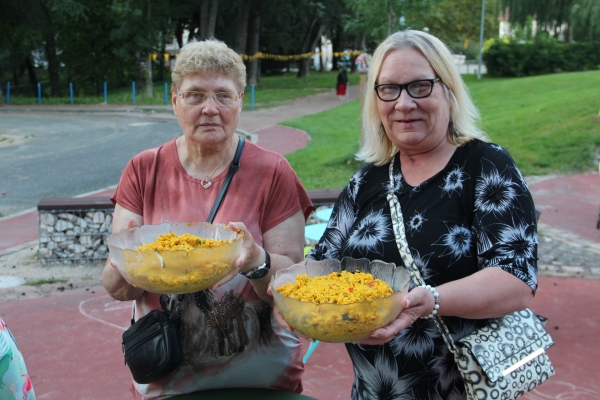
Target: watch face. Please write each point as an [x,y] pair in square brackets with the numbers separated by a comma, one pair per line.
[258,273]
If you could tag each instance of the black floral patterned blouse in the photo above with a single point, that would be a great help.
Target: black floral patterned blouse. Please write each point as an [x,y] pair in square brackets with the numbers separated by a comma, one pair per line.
[475,213]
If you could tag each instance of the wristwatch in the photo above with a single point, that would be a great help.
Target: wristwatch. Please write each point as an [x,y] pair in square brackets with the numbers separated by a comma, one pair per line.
[260,271]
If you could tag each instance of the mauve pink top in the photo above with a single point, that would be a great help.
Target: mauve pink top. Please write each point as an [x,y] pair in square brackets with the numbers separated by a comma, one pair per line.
[233,340]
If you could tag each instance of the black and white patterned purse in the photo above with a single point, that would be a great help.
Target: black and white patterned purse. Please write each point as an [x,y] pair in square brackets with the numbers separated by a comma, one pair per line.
[504,359]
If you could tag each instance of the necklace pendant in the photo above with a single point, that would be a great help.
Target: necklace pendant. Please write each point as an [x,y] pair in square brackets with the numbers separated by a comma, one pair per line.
[205,184]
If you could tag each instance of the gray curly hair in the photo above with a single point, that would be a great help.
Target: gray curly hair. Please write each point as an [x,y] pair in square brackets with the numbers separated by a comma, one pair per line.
[209,56]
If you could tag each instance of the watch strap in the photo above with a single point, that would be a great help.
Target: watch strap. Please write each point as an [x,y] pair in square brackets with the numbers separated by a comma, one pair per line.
[261,270]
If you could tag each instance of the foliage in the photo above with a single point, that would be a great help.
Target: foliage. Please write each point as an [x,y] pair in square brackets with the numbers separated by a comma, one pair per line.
[541,56]
[577,20]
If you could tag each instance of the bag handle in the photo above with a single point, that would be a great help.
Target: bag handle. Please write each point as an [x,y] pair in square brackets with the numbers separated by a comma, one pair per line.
[175,314]
[235,165]
[413,270]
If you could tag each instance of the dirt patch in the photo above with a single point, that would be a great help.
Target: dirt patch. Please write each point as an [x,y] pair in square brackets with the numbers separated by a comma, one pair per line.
[44,280]
[10,140]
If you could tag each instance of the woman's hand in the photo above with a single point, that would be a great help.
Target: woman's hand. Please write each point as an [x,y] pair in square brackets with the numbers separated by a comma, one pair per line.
[112,280]
[251,254]
[417,303]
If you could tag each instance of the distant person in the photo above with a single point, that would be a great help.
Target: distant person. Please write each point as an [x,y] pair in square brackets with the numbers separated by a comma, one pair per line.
[469,219]
[228,336]
[14,379]
[342,84]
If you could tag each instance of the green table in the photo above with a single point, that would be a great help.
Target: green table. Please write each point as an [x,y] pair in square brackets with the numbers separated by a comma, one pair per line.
[242,394]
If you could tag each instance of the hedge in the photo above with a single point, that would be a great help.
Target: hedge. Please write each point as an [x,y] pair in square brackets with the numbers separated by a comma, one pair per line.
[542,56]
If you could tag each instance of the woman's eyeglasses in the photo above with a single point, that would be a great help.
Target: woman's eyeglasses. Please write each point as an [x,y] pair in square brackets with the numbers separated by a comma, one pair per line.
[416,89]
[223,99]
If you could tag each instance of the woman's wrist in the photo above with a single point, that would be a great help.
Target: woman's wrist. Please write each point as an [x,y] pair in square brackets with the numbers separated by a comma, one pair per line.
[436,300]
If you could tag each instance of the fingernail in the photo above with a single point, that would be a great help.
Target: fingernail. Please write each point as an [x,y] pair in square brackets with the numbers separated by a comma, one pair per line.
[407,302]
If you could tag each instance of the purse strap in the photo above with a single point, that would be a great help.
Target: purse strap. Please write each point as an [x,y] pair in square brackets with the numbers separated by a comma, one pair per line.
[235,165]
[175,315]
[409,262]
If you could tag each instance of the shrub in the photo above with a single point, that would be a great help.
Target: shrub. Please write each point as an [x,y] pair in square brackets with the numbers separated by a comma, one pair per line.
[541,56]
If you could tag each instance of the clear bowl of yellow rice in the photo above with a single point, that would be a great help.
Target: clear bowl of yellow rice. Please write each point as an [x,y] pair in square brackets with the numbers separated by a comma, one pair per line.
[319,310]
[175,258]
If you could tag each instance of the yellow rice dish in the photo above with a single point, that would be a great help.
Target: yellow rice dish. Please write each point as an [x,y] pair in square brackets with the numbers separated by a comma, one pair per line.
[336,288]
[339,307]
[204,263]
[172,242]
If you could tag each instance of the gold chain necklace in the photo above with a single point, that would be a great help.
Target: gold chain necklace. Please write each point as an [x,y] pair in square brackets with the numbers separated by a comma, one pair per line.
[206,183]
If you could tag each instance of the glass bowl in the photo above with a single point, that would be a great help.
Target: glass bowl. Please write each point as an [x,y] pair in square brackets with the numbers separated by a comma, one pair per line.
[174,272]
[341,323]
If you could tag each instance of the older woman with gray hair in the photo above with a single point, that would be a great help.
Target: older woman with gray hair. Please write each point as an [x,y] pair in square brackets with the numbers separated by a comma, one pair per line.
[469,219]
[227,333]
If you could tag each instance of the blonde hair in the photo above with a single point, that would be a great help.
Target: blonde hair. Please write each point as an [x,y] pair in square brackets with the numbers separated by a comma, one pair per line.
[375,146]
[209,56]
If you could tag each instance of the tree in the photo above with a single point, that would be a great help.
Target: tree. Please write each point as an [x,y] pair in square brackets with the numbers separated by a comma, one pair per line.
[585,20]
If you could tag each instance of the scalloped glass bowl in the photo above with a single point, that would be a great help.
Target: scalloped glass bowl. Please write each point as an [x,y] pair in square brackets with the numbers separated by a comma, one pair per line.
[174,272]
[341,323]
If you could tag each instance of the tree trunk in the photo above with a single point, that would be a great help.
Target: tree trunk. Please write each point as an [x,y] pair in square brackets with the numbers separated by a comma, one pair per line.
[161,57]
[390,18]
[138,73]
[241,32]
[179,33]
[33,80]
[51,56]
[308,45]
[253,44]
[53,64]
[149,91]
[212,18]
[148,63]
[204,10]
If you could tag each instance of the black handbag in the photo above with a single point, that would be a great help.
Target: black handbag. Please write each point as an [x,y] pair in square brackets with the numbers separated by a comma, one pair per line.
[151,344]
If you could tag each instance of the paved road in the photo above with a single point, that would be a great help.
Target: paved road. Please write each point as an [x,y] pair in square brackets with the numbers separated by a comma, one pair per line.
[67,150]
[66,154]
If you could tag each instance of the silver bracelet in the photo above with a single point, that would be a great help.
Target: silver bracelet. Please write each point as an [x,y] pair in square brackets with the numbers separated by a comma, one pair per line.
[436,298]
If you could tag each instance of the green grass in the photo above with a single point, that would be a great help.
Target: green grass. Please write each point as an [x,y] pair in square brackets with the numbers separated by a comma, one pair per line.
[549,124]
[272,91]
[328,160]
[44,282]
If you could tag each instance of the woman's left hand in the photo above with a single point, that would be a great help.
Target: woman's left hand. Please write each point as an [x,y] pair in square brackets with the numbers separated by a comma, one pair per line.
[251,254]
[417,303]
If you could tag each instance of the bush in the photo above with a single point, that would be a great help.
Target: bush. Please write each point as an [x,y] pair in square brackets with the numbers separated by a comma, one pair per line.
[541,56]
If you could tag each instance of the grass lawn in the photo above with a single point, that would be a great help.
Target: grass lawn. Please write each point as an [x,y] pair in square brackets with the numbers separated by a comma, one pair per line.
[549,124]
[270,92]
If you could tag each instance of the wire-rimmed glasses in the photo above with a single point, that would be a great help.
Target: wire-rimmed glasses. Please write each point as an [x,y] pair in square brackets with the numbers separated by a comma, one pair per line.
[223,99]
[415,89]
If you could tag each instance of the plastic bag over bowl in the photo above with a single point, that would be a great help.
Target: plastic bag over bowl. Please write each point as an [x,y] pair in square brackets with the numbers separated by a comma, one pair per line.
[178,271]
[340,323]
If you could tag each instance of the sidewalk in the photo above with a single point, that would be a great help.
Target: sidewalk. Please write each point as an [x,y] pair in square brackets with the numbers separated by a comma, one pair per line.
[71,341]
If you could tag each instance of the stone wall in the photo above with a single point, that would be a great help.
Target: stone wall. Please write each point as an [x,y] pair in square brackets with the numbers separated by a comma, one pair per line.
[74,235]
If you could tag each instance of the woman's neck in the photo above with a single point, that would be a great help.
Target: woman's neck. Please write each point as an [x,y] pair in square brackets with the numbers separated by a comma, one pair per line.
[205,163]
[416,168]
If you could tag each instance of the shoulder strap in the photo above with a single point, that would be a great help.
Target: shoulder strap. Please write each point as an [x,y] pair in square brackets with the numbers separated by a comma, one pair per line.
[235,165]
[409,263]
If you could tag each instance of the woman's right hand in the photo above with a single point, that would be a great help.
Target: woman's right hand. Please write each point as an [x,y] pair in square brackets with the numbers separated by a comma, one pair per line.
[417,303]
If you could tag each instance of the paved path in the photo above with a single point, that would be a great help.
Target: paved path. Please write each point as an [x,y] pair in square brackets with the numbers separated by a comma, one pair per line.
[78,357]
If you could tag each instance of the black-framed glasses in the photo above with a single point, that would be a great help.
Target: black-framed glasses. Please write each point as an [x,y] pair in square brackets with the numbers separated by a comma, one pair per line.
[416,89]
[223,99]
